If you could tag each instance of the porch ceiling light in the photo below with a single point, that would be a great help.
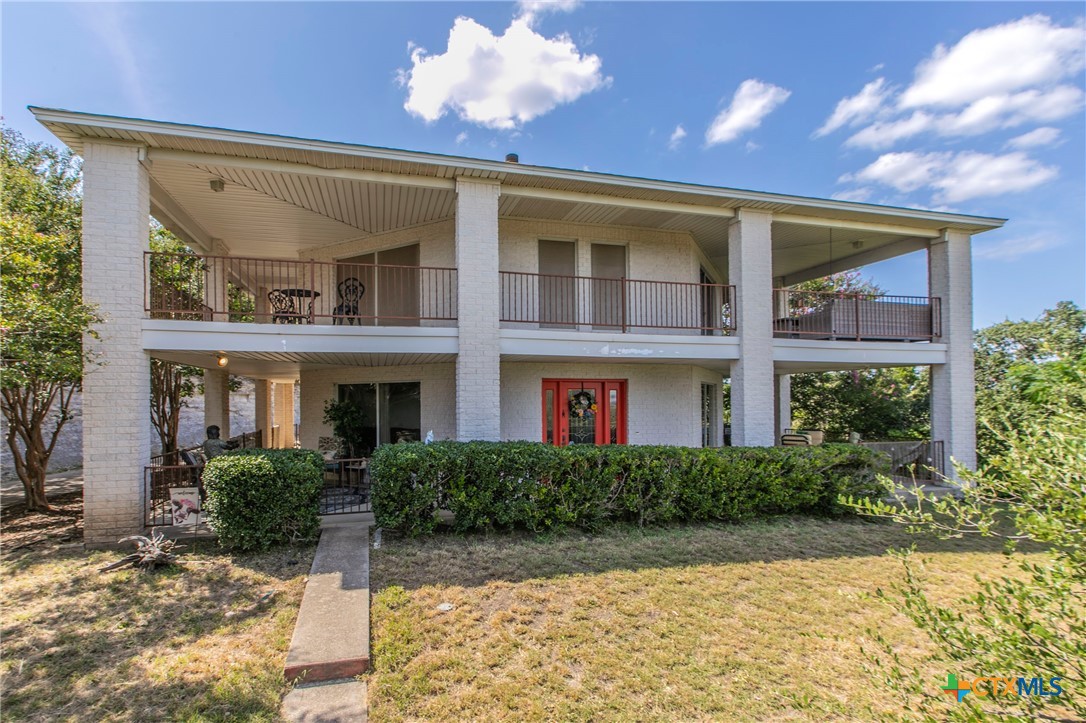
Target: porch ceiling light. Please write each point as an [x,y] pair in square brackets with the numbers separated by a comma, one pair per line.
[222,360]
[218,185]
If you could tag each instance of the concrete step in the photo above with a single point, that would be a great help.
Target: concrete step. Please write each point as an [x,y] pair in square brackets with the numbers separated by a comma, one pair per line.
[332,635]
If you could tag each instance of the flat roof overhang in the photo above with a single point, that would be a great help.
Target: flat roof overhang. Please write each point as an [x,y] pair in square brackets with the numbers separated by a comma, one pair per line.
[286,196]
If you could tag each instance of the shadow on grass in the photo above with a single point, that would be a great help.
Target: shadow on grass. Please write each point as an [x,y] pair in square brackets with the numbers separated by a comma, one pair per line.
[176,644]
[469,560]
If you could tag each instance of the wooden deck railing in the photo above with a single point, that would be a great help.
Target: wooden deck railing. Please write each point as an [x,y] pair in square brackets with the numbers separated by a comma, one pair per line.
[281,291]
[627,305]
[856,316]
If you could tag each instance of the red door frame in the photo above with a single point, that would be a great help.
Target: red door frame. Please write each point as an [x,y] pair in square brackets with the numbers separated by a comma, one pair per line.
[559,389]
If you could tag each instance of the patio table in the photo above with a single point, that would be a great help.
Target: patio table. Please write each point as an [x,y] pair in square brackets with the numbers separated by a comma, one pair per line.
[295,315]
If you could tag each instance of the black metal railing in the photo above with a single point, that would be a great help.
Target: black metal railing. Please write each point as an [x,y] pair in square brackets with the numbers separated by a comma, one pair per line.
[918,460]
[180,468]
[625,305]
[856,316]
[346,487]
[193,287]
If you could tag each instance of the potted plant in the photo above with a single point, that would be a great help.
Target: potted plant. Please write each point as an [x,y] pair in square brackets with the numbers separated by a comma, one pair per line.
[348,422]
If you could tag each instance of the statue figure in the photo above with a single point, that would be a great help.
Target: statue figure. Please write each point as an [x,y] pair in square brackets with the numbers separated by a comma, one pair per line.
[213,446]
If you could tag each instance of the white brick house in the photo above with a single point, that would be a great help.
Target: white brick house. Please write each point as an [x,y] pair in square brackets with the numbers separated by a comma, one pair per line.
[482,299]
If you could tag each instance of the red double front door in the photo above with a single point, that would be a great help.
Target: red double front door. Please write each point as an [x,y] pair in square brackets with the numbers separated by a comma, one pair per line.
[584,411]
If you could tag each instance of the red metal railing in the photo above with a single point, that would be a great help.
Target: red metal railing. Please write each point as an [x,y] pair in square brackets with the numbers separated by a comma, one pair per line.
[234,288]
[554,301]
[856,316]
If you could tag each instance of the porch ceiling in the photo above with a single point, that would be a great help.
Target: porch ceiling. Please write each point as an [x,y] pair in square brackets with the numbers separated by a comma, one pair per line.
[284,194]
[269,214]
[287,366]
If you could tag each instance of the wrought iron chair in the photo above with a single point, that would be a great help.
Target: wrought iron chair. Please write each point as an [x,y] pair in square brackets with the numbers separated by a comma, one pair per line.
[350,293]
[283,309]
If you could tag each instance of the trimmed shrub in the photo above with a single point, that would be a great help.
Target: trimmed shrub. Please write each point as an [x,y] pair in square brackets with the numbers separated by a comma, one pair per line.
[257,498]
[535,486]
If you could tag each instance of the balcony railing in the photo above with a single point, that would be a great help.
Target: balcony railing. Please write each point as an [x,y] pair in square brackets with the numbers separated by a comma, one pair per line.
[855,316]
[551,301]
[233,288]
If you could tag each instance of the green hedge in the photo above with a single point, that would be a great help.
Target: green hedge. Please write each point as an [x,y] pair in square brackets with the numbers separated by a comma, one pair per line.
[257,498]
[535,486]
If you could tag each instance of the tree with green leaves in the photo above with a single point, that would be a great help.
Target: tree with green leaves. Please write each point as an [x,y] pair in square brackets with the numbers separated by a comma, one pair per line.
[45,327]
[1031,622]
[1003,402]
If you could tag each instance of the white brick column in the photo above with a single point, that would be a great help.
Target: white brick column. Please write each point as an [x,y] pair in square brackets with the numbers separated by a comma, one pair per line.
[262,388]
[750,263]
[953,414]
[783,389]
[216,294]
[217,400]
[478,368]
[284,414]
[116,394]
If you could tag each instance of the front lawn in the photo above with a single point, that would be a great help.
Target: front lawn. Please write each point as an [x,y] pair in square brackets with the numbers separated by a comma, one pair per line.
[759,621]
[202,641]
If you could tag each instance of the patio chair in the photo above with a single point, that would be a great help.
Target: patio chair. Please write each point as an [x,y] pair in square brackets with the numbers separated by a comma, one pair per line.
[350,293]
[283,309]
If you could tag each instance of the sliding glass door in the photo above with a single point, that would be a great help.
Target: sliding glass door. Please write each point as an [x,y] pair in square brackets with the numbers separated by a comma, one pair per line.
[387,414]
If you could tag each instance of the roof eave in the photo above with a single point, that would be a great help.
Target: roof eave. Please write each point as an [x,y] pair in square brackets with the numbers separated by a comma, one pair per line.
[51,116]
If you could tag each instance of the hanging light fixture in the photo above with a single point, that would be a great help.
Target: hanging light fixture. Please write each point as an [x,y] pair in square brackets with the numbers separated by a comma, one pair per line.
[222,360]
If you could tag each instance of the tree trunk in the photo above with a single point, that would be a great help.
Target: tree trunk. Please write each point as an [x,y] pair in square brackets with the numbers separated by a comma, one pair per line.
[167,398]
[27,410]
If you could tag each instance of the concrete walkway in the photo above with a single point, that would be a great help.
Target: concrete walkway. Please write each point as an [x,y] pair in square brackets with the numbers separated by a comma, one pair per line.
[331,642]
[58,483]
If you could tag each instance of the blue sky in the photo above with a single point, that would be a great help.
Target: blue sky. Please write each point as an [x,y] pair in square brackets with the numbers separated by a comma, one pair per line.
[970,107]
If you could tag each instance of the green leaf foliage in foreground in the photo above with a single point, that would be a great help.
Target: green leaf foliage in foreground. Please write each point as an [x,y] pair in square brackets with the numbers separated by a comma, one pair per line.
[1031,623]
[535,486]
[257,498]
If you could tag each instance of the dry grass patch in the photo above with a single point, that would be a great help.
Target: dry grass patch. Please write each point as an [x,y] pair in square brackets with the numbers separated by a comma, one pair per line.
[762,621]
[199,642]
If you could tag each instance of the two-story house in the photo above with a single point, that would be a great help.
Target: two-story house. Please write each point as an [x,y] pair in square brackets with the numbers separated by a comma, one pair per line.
[482,299]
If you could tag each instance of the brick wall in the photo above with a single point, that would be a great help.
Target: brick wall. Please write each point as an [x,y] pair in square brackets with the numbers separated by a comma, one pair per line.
[116,434]
[953,412]
[437,390]
[664,400]
[750,263]
[477,370]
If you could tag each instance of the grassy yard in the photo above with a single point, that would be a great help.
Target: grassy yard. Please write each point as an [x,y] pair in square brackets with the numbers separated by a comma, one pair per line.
[761,621]
[203,641]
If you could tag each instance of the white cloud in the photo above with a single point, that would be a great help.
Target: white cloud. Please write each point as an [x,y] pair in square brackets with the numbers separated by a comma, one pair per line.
[499,81]
[1020,73]
[752,102]
[857,108]
[856,194]
[903,171]
[1013,109]
[980,116]
[530,10]
[1012,249]
[751,146]
[972,175]
[108,22]
[886,133]
[956,177]
[461,137]
[676,138]
[1044,136]
[1002,59]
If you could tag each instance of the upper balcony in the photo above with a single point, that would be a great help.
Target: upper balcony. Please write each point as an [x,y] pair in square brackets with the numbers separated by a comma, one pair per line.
[191,287]
[585,303]
[846,316]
